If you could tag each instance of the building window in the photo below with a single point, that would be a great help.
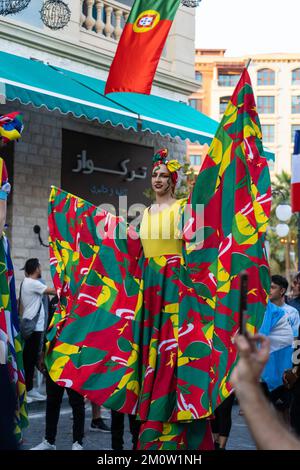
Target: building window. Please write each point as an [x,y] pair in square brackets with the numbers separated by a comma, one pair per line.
[271,164]
[268,132]
[226,79]
[294,128]
[296,77]
[223,103]
[265,77]
[198,77]
[195,160]
[295,104]
[195,103]
[266,104]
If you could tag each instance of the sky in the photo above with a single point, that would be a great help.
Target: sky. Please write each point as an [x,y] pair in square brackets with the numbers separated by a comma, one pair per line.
[246,27]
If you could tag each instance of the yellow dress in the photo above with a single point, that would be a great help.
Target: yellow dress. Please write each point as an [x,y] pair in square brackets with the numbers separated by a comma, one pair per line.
[159,231]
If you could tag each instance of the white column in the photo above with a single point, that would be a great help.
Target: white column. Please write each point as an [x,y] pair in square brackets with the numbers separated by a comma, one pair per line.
[82,15]
[90,21]
[99,25]
[118,28]
[108,29]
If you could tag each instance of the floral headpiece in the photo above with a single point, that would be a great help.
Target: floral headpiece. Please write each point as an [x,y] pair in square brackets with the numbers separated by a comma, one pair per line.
[11,127]
[173,165]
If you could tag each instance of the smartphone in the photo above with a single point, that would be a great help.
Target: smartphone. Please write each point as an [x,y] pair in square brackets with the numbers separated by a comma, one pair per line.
[243,302]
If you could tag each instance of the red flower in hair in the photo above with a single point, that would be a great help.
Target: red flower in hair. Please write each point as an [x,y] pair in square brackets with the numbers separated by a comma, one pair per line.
[173,165]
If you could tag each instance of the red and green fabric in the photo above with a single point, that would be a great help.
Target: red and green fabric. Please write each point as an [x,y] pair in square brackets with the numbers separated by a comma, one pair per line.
[154,336]
[10,334]
[141,45]
[9,326]
[3,173]
[115,337]
[235,191]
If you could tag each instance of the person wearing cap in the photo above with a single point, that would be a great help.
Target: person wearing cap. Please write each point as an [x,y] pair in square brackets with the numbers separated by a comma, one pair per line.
[31,295]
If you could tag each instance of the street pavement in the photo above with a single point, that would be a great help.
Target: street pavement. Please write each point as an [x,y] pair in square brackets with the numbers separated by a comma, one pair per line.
[240,438]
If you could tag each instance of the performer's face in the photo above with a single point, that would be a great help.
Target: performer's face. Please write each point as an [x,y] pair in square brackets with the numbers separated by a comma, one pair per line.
[161,180]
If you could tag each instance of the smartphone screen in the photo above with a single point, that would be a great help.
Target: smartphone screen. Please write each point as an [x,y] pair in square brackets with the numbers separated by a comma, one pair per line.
[243,302]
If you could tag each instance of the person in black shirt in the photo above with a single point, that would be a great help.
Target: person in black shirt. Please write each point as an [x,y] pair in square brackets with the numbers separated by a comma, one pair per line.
[294,301]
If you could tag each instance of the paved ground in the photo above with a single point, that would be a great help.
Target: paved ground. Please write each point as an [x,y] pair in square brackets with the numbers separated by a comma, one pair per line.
[239,438]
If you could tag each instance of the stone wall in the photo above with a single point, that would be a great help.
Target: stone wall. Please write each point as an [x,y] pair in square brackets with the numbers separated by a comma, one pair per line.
[37,166]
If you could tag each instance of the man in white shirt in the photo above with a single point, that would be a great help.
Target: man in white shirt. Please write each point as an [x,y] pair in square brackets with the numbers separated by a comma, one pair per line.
[31,298]
[279,286]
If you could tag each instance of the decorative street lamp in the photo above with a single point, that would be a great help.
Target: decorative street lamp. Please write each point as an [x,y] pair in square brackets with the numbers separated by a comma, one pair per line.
[190,3]
[283,212]
[10,7]
[55,14]
[282,230]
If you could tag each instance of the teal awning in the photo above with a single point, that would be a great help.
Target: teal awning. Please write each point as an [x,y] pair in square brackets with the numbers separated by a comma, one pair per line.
[39,84]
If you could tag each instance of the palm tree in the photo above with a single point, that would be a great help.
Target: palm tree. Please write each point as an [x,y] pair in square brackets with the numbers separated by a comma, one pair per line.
[282,250]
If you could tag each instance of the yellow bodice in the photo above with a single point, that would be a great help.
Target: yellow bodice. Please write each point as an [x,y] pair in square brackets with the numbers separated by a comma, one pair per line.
[159,231]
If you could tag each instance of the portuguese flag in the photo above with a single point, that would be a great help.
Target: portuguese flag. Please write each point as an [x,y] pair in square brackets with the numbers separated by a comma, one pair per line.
[141,45]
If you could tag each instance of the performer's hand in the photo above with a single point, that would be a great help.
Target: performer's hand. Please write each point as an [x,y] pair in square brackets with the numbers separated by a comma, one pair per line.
[252,360]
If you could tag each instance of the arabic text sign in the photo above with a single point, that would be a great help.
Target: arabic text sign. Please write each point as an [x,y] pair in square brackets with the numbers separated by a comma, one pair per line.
[101,170]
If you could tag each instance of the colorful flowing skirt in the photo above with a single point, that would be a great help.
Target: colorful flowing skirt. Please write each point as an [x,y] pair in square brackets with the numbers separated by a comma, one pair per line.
[166,422]
[140,335]
[10,332]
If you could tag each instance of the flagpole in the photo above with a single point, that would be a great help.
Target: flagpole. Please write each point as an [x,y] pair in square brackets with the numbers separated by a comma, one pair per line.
[248,63]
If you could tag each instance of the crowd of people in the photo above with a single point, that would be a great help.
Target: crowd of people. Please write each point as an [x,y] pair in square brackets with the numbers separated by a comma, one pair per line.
[153,361]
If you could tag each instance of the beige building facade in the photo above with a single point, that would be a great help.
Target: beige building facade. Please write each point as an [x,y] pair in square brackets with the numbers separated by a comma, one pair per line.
[276,84]
[89,41]
[87,46]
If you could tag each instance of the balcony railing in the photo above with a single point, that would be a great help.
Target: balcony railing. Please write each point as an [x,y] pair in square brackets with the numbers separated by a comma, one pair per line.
[105,18]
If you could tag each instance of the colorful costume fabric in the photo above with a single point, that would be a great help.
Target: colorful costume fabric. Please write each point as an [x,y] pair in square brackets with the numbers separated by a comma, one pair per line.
[11,126]
[9,324]
[146,328]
